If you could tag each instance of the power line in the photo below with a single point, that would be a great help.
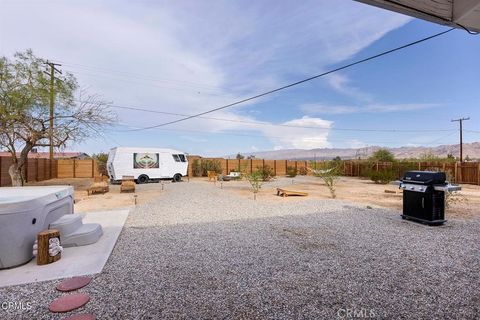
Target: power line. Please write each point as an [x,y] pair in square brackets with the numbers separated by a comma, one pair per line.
[438,139]
[301,81]
[138,75]
[276,125]
[264,136]
[142,82]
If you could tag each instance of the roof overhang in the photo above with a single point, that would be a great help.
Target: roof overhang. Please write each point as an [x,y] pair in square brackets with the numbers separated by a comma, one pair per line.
[454,13]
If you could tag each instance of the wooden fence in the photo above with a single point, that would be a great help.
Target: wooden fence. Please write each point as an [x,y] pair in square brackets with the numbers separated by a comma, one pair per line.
[71,168]
[279,167]
[38,169]
[466,172]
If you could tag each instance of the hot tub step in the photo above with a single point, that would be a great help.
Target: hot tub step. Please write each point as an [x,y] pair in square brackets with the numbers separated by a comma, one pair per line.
[67,224]
[87,234]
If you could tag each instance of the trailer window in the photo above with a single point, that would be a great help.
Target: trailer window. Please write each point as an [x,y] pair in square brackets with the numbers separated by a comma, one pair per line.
[176,157]
[182,158]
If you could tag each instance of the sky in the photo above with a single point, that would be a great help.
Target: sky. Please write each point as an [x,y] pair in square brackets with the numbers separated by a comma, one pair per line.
[186,57]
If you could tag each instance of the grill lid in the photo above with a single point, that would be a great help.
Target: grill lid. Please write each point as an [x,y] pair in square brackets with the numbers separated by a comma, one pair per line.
[425,177]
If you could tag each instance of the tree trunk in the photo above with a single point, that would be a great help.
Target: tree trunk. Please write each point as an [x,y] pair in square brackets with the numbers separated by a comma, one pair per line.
[16,175]
[16,168]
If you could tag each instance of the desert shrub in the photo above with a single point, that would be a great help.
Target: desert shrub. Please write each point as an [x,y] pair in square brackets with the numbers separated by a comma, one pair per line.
[211,165]
[196,168]
[329,175]
[291,172]
[256,180]
[101,159]
[383,176]
[303,171]
[266,172]
[382,155]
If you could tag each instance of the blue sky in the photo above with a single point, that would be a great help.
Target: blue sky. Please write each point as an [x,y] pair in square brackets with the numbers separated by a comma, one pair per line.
[190,56]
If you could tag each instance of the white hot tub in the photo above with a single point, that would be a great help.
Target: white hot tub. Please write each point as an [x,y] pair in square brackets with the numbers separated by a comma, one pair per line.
[25,211]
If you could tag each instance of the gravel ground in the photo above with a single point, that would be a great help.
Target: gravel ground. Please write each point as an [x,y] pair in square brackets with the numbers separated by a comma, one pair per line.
[198,252]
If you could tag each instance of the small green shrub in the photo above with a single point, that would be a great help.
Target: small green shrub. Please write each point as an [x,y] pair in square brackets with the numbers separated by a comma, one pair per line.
[101,159]
[256,181]
[211,165]
[291,172]
[329,175]
[382,155]
[266,172]
[383,176]
[196,168]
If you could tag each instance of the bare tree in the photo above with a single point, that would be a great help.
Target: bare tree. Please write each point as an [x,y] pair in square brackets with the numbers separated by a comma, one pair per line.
[25,113]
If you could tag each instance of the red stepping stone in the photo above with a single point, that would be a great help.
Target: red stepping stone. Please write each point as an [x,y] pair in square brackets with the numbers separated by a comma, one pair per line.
[69,302]
[73,283]
[81,316]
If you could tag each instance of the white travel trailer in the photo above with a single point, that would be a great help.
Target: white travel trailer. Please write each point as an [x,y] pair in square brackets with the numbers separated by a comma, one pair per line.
[146,164]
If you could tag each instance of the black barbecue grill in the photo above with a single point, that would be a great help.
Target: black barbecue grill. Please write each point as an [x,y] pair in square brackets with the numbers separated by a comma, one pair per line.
[424,196]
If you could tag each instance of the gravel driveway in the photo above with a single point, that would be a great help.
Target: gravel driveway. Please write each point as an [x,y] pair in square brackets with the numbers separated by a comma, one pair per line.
[198,252]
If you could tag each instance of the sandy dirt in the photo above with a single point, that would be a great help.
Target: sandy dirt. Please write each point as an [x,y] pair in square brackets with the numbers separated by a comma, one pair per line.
[110,200]
[463,205]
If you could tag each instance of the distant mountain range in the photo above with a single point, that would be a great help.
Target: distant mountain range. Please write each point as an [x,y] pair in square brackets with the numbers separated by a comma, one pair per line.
[472,150]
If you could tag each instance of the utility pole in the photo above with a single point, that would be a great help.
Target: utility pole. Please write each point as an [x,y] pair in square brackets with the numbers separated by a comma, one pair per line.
[52,104]
[460,120]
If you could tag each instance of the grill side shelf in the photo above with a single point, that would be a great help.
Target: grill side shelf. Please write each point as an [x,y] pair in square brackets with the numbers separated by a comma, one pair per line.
[447,188]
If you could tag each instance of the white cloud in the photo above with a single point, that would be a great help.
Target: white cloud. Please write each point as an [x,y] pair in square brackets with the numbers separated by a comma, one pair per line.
[189,56]
[342,84]
[300,138]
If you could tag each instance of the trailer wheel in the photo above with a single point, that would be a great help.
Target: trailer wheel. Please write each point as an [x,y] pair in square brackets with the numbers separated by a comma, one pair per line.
[142,179]
[177,177]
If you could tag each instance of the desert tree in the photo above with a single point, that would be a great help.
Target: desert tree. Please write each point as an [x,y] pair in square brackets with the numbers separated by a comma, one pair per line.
[256,181]
[330,175]
[382,155]
[25,112]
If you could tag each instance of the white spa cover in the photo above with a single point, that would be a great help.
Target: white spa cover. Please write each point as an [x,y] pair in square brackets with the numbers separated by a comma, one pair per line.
[20,199]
